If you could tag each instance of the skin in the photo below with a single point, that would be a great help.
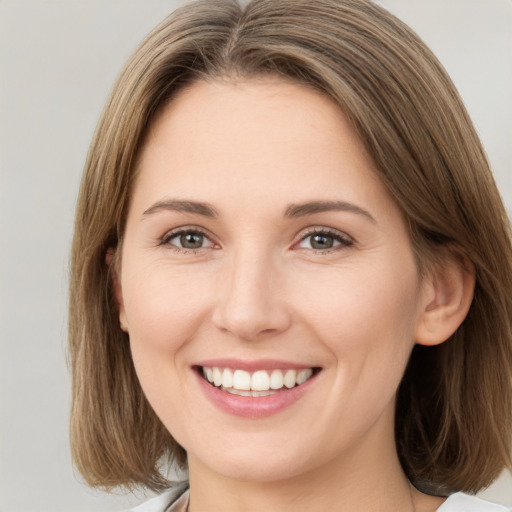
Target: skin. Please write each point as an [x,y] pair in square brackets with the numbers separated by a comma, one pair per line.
[257,288]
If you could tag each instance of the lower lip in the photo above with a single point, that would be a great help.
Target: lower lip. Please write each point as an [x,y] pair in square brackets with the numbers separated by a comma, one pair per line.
[254,407]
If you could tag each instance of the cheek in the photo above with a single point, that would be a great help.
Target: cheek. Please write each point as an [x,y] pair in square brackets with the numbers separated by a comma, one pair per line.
[367,324]
[164,307]
[367,320]
[164,310]
[348,301]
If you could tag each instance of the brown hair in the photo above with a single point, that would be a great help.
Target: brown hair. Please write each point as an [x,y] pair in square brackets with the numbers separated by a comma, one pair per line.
[454,405]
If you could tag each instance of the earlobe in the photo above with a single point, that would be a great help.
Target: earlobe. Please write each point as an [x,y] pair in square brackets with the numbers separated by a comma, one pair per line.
[110,261]
[447,296]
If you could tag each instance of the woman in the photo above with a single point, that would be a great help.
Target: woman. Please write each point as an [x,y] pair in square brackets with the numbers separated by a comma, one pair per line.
[291,270]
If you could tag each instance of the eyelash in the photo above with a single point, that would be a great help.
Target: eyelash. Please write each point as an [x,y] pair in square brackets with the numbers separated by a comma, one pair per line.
[166,240]
[342,238]
[344,241]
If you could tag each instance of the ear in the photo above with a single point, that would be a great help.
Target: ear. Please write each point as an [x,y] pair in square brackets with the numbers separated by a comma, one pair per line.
[110,260]
[446,296]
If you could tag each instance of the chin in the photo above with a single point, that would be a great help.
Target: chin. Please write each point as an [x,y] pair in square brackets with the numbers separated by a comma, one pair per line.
[245,463]
[257,472]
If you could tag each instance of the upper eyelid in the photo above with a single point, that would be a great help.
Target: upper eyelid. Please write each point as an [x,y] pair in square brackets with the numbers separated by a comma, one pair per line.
[186,229]
[325,230]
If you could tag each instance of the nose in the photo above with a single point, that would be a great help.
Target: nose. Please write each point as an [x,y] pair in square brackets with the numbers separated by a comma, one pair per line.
[251,304]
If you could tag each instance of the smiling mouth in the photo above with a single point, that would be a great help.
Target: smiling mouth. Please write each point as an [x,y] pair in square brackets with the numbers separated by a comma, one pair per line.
[255,384]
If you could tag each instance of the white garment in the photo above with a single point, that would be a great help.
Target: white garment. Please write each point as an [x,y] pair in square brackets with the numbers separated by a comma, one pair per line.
[461,502]
[162,503]
[178,496]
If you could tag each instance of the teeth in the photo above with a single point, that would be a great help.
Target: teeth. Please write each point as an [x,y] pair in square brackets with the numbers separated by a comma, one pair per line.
[217,377]
[260,383]
[276,379]
[227,378]
[234,391]
[242,380]
[289,378]
[303,376]
[241,392]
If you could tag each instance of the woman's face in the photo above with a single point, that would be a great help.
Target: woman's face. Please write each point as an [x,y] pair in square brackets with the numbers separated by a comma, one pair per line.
[262,250]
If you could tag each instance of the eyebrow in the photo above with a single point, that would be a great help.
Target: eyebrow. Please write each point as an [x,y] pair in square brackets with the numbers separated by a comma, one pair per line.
[313,207]
[175,205]
[292,211]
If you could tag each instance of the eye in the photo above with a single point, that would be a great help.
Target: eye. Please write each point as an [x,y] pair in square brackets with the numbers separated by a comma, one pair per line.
[325,240]
[187,240]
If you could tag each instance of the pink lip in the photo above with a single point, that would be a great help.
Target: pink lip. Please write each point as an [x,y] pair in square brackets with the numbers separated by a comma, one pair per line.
[253,407]
[252,366]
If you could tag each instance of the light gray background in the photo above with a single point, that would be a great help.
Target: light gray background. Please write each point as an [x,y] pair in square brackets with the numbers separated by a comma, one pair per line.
[58,60]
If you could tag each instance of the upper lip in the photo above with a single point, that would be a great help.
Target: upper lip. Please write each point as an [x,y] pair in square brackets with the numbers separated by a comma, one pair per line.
[254,365]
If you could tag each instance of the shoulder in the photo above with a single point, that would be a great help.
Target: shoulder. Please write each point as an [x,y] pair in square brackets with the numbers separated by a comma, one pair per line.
[163,502]
[461,502]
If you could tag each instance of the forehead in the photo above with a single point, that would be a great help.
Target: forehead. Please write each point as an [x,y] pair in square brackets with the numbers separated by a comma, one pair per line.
[251,118]
[257,123]
[256,140]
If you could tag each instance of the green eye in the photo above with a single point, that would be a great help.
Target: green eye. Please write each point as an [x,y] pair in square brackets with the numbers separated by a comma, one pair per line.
[322,242]
[187,240]
[191,240]
[325,240]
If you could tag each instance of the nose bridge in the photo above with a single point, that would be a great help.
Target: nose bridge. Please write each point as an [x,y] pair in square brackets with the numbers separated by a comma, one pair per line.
[250,302]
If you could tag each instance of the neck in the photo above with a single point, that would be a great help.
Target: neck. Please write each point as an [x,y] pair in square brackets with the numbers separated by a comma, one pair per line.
[303,494]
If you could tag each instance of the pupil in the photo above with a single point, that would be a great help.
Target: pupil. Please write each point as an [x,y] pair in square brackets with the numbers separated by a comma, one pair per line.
[321,242]
[191,240]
